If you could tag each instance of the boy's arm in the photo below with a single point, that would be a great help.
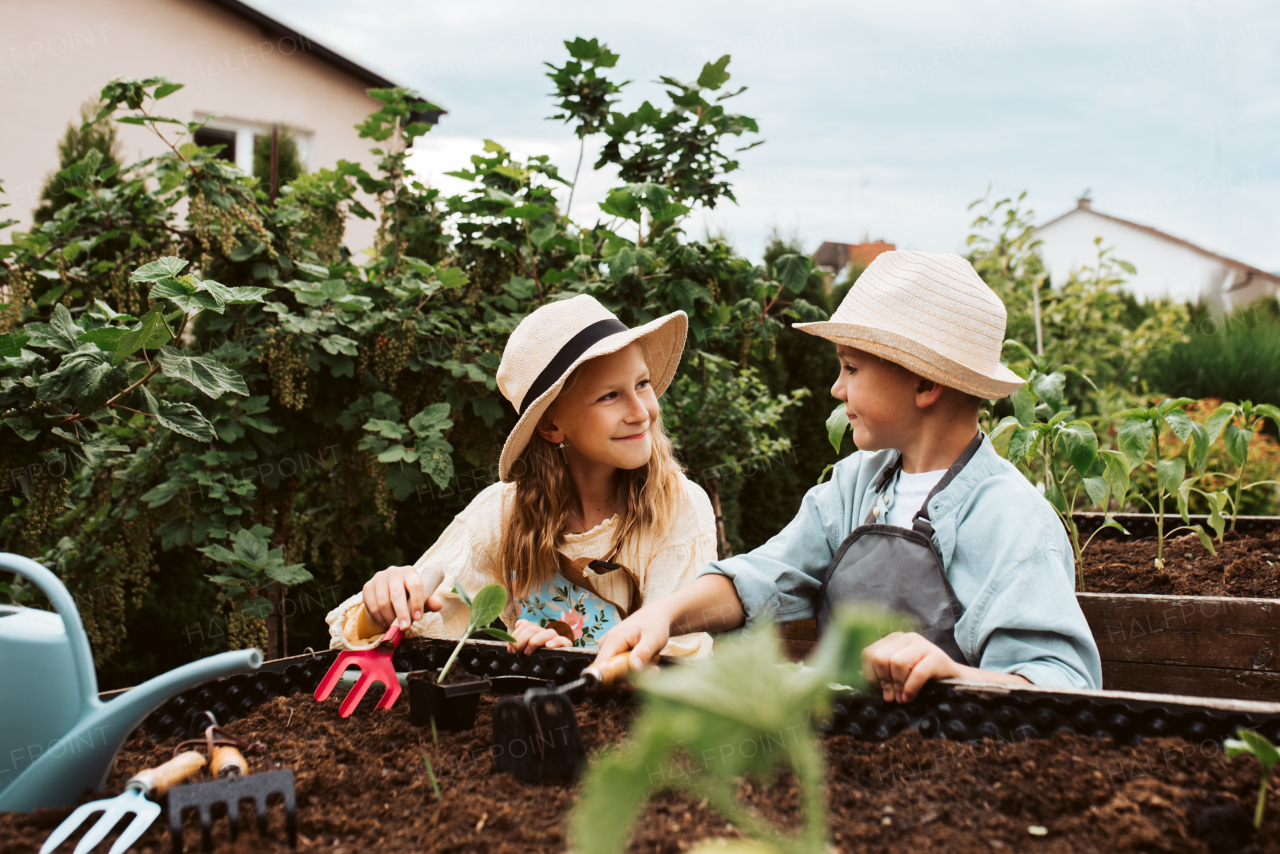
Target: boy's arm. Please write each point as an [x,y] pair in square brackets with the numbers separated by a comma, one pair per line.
[709,604]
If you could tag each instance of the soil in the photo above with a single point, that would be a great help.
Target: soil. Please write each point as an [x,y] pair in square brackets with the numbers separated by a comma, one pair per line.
[362,785]
[1246,565]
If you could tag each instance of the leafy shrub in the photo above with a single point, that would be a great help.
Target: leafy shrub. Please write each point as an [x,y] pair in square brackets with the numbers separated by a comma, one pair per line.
[382,374]
[1234,357]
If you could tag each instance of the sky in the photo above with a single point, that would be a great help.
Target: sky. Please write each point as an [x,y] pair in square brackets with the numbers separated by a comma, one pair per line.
[880,120]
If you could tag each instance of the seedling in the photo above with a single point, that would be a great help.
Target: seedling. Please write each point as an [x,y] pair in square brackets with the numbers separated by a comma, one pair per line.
[1237,441]
[1265,752]
[745,711]
[435,787]
[485,608]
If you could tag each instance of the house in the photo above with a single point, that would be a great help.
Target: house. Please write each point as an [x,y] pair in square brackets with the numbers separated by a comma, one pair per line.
[248,69]
[1168,267]
[831,258]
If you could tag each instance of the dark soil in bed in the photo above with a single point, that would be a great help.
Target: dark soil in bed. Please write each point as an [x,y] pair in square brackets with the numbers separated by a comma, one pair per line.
[362,786]
[1246,565]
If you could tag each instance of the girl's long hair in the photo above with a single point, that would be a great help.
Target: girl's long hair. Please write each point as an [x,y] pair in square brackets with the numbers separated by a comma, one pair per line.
[537,513]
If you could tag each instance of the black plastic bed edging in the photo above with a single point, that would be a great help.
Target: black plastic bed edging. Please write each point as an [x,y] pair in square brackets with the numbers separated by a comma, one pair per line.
[1143,525]
[954,711]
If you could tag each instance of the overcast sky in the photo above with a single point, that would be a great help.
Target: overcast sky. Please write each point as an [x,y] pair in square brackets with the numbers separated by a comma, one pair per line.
[883,119]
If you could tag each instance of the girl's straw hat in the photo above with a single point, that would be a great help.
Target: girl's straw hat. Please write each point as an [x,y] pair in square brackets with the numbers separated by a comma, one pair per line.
[550,343]
[930,313]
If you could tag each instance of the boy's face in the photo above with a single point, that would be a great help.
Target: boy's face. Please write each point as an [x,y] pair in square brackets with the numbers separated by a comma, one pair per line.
[879,399]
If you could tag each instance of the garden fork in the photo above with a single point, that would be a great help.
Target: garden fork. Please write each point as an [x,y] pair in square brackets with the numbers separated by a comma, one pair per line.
[153,781]
[375,666]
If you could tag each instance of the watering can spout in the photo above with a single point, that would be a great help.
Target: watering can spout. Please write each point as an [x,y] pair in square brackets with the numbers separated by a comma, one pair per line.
[58,737]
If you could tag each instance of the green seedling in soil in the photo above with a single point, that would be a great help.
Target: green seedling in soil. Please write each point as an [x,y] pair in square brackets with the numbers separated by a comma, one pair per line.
[1044,427]
[747,711]
[1237,439]
[1265,752]
[1141,432]
[485,608]
[426,760]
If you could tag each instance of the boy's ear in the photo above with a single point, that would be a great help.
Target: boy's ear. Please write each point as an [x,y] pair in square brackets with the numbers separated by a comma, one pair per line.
[547,429]
[928,392]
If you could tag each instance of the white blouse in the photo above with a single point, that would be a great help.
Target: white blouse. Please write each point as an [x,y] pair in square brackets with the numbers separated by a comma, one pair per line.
[468,552]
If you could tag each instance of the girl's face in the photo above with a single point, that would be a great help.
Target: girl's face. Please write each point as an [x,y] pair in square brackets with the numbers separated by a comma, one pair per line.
[605,416]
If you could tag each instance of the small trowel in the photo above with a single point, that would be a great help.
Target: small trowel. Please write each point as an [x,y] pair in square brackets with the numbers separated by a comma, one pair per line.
[536,736]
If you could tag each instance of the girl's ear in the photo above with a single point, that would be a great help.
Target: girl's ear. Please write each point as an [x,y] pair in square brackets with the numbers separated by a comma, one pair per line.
[548,430]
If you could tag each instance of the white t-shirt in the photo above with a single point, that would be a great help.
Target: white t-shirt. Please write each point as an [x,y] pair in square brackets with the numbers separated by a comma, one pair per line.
[909,494]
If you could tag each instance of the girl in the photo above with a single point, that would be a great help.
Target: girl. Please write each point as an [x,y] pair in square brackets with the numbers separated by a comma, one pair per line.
[592,516]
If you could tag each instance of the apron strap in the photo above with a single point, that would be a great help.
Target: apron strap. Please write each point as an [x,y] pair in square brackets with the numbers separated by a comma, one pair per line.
[572,571]
[921,520]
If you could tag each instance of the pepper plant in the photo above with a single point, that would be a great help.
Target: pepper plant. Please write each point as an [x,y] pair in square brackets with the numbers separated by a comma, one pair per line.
[1236,438]
[1253,744]
[1139,435]
[701,727]
[1045,428]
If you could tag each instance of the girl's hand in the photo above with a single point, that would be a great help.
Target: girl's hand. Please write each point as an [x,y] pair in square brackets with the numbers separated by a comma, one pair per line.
[397,596]
[645,633]
[530,636]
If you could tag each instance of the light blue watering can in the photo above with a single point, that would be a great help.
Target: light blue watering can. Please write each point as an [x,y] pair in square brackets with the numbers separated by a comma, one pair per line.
[56,737]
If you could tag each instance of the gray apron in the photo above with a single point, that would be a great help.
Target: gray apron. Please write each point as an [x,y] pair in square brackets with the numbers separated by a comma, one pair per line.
[898,568]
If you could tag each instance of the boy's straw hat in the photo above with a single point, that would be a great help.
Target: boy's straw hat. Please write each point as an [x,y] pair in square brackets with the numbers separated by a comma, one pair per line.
[551,342]
[930,313]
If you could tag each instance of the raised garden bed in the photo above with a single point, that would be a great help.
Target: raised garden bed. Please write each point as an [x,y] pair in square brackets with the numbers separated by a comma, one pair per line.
[362,782]
[1247,563]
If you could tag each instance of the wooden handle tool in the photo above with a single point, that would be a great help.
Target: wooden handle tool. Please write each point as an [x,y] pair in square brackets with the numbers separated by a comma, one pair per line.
[228,762]
[156,781]
[609,672]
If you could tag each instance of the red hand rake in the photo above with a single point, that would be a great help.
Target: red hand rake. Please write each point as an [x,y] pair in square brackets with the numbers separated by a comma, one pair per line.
[374,665]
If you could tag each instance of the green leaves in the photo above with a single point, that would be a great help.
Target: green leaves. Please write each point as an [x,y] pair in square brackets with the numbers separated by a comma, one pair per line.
[713,74]
[253,563]
[163,268]
[793,270]
[486,607]
[1134,438]
[837,426]
[1081,444]
[209,376]
[1253,744]
[1169,474]
[150,332]
[1237,443]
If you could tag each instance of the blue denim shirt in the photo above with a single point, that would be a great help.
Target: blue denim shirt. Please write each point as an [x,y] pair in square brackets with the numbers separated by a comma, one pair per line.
[1002,545]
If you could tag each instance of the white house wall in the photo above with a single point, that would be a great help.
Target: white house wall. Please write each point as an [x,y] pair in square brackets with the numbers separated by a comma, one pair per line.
[56,54]
[1165,269]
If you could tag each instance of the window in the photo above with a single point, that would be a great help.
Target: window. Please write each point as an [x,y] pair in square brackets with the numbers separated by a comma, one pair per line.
[207,137]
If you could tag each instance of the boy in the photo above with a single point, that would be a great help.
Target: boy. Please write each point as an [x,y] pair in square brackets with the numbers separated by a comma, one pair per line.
[925,519]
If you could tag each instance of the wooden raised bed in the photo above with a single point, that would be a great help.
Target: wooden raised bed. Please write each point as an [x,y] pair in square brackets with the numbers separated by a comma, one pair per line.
[1204,646]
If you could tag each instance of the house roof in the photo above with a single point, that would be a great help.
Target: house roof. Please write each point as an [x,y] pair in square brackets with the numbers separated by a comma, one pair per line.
[270,26]
[1245,273]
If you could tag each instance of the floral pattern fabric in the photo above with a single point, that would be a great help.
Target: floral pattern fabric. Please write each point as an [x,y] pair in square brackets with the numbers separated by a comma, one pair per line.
[587,615]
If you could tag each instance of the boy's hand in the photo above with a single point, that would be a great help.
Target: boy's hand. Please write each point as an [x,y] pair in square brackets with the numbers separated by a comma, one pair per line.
[530,636]
[900,663]
[645,633]
[397,595]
